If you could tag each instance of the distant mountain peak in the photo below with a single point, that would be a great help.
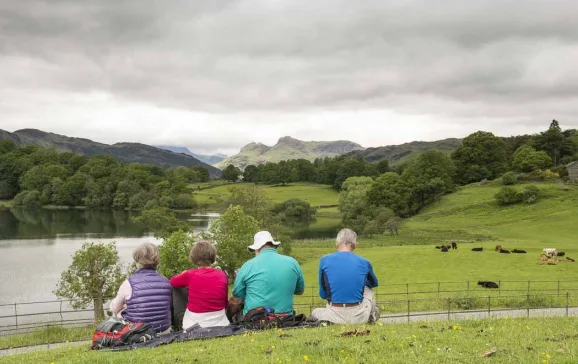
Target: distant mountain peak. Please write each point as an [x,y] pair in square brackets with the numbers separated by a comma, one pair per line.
[209,159]
[288,148]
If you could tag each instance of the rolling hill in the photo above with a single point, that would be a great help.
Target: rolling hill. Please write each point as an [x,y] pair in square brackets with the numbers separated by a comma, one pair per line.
[404,153]
[126,152]
[288,148]
[209,159]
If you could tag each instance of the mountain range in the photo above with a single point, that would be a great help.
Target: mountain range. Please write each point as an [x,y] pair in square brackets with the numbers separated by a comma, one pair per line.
[287,148]
[209,159]
[405,153]
[126,152]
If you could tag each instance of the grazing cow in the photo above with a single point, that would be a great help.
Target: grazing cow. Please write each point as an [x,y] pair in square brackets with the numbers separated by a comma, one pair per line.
[504,251]
[570,259]
[498,248]
[561,254]
[519,251]
[488,284]
[477,249]
[550,251]
[454,245]
[444,249]
[438,246]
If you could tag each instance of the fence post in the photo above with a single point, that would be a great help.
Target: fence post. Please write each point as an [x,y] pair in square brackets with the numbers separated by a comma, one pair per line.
[528,305]
[468,288]
[528,290]
[407,290]
[438,289]
[60,312]
[489,305]
[499,288]
[567,294]
[449,307]
[408,310]
[16,315]
[558,288]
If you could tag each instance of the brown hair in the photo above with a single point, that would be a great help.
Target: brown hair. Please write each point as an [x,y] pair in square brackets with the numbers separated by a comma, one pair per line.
[203,254]
[146,256]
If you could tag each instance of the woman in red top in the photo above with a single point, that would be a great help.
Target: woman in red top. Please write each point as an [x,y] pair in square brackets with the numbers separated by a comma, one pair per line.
[207,286]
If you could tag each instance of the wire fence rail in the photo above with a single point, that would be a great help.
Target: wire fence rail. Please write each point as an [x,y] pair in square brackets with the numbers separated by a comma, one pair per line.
[397,301]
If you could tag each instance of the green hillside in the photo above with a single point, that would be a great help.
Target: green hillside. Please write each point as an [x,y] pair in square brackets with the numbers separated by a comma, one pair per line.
[315,194]
[126,152]
[471,217]
[405,153]
[287,148]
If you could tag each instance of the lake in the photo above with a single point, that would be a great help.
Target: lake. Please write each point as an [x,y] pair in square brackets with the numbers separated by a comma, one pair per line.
[36,245]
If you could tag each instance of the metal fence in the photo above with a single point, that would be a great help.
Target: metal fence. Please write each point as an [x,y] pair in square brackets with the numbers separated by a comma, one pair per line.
[404,301]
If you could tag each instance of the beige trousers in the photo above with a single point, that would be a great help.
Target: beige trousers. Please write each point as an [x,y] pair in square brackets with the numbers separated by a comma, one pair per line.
[350,315]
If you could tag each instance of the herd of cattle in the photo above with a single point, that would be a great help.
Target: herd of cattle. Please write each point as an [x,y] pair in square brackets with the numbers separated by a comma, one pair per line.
[550,256]
[549,253]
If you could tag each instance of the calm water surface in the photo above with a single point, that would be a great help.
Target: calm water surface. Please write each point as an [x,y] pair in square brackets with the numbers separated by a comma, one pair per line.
[37,245]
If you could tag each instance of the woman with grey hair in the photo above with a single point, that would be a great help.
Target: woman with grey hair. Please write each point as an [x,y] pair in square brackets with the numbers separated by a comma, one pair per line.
[145,296]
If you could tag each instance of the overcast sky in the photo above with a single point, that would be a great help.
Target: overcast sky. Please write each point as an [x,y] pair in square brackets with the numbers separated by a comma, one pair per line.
[214,75]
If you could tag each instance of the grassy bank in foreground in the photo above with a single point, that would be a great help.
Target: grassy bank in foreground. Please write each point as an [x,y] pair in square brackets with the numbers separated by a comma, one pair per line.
[48,335]
[548,340]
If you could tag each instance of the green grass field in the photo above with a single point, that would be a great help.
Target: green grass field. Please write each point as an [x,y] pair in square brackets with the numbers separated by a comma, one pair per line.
[546,340]
[315,194]
[470,217]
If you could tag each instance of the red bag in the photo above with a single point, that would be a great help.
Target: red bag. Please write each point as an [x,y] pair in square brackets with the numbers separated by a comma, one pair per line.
[113,332]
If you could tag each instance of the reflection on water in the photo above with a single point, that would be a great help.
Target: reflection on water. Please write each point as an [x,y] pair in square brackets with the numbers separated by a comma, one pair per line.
[37,245]
[42,223]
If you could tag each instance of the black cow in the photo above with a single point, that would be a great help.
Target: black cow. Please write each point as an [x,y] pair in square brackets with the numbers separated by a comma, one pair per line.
[561,254]
[444,249]
[488,284]
[504,251]
[438,246]
[454,245]
[517,251]
[477,249]
[570,259]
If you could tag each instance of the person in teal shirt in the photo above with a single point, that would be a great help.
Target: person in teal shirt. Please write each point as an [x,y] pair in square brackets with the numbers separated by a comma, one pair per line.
[270,279]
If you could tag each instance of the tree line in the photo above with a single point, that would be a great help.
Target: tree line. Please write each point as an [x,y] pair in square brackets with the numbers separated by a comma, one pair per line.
[375,204]
[35,176]
[330,171]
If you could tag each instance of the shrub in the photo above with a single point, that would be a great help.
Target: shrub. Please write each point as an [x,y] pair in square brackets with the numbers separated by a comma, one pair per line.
[508,196]
[183,201]
[530,194]
[509,179]
[28,199]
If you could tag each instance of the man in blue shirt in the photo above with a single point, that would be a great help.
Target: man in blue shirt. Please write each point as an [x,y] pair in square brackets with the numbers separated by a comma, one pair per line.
[346,281]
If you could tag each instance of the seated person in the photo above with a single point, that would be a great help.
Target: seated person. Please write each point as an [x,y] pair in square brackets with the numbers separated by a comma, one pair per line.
[269,280]
[207,288]
[145,296]
[346,281]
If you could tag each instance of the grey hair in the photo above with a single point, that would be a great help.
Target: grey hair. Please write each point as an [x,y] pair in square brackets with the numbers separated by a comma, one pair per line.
[146,256]
[347,237]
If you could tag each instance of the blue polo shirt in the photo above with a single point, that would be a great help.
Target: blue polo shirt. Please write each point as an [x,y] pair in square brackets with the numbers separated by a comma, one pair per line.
[343,277]
[270,280]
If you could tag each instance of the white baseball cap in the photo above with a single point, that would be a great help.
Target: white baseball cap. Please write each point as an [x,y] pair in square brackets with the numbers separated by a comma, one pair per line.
[262,238]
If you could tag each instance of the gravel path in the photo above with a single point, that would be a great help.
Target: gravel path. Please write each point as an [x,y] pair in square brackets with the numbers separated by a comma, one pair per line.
[386,318]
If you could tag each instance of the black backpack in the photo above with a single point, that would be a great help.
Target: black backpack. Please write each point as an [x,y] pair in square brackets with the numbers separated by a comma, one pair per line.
[261,318]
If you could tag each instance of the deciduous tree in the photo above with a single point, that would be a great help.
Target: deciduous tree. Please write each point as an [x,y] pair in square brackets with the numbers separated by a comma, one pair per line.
[94,276]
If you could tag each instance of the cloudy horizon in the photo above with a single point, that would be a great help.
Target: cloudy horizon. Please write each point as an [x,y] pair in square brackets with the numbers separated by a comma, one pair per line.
[216,75]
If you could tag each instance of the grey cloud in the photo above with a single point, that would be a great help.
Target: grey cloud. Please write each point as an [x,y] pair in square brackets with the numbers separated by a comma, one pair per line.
[230,56]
